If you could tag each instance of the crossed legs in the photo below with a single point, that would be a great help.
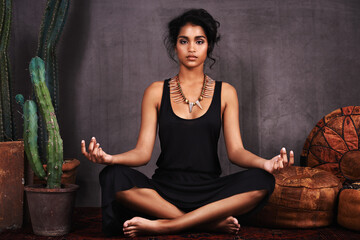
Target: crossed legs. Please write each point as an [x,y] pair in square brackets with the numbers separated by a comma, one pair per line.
[216,216]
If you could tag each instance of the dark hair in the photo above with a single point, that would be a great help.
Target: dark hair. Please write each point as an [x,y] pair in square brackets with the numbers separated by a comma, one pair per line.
[199,17]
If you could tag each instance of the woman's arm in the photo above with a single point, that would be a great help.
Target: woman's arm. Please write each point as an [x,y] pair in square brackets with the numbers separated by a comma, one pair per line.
[236,152]
[141,154]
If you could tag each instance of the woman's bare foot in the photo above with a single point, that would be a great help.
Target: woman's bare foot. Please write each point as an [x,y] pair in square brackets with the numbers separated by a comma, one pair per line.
[138,226]
[229,225]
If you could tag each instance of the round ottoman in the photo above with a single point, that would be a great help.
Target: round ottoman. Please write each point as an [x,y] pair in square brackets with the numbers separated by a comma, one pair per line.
[304,197]
[333,144]
[349,207]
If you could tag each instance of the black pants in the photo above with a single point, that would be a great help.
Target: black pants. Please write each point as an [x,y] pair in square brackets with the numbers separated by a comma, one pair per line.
[117,178]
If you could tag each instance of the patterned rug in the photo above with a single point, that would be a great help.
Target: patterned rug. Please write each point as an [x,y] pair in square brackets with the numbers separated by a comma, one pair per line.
[87,226]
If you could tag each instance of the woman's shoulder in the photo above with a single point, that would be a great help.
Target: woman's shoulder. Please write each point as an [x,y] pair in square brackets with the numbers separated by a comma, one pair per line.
[227,89]
[154,92]
[155,87]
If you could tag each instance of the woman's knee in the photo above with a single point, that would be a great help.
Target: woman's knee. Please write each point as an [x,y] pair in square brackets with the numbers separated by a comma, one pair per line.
[265,179]
[258,195]
[105,172]
[128,194]
[270,179]
[108,172]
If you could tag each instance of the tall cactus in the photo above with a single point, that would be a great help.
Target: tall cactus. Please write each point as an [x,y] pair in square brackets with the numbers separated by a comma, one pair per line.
[7,127]
[51,28]
[54,148]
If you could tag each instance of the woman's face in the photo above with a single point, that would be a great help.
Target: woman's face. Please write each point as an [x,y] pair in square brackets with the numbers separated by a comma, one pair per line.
[191,46]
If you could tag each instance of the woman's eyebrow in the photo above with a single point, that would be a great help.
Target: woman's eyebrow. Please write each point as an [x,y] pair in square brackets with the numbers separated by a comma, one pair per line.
[185,37]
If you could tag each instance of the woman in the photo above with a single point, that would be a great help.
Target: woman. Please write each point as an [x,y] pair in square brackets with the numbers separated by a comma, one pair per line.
[186,191]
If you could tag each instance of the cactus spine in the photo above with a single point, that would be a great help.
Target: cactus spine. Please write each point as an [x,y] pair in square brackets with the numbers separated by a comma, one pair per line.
[51,28]
[54,148]
[7,128]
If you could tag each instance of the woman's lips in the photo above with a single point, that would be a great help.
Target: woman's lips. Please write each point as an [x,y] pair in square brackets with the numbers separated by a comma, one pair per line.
[191,58]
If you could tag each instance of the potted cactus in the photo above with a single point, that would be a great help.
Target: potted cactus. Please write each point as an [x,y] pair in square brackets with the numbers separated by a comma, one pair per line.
[50,205]
[11,151]
[50,202]
[52,25]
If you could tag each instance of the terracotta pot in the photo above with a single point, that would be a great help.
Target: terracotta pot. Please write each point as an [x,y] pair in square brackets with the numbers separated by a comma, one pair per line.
[69,169]
[51,209]
[11,184]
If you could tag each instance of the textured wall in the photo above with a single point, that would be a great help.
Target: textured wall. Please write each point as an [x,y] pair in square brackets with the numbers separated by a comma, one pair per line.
[291,62]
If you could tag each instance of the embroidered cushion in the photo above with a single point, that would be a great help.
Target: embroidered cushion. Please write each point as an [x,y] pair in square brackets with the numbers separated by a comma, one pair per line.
[304,197]
[349,207]
[333,144]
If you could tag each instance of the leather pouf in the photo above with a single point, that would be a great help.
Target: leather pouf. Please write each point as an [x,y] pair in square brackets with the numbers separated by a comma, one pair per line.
[349,207]
[304,197]
[333,144]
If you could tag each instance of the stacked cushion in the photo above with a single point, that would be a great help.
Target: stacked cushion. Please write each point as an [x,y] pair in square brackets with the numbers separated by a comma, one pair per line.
[333,144]
[349,207]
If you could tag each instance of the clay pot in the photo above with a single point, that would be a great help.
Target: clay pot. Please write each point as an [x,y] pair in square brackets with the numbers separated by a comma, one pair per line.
[11,184]
[51,209]
[69,169]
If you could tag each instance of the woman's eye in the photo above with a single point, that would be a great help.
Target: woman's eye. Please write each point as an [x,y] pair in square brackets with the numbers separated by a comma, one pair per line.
[182,41]
[199,42]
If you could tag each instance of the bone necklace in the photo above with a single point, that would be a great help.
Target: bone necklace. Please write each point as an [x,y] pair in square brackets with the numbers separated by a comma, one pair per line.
[179,97]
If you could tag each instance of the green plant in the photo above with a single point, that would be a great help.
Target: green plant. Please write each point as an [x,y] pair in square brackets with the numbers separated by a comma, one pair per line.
[7,126]
[51,28]
[53,22]
[54,149]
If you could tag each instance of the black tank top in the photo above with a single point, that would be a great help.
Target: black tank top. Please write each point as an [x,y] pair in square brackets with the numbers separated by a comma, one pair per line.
[188,146]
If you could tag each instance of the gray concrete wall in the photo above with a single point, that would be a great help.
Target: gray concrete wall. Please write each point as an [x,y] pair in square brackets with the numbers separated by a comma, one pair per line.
[292,62]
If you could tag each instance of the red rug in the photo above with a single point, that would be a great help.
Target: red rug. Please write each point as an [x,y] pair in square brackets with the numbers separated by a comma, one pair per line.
[87,226]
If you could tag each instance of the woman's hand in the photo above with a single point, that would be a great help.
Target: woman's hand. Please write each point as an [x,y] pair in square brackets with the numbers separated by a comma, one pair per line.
[96,154]
[279,162]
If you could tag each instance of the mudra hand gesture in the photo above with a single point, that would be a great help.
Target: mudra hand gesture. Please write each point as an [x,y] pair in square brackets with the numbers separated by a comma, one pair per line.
[279,162]
[96,154]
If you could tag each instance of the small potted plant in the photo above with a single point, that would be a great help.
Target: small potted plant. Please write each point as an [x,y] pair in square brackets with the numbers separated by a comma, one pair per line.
[50,205]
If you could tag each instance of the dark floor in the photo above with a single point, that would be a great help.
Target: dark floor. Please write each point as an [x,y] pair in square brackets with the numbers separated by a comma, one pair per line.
[87,226]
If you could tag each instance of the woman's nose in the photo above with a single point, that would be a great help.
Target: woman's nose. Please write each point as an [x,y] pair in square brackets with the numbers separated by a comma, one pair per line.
[191,47]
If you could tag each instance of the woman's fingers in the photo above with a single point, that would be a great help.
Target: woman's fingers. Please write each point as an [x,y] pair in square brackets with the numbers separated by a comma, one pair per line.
[292,158]
[101,154]
[276,163]
[286,161]
[92,144]
[96,152]
[281,163]
[83,149]
[284,156]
